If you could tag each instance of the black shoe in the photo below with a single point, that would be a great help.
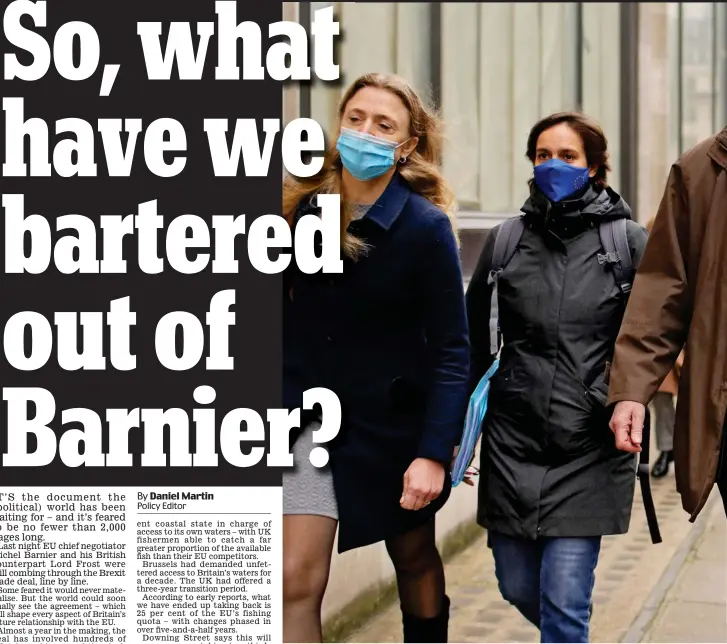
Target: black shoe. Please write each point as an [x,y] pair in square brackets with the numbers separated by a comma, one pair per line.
[661,467]
[429,630]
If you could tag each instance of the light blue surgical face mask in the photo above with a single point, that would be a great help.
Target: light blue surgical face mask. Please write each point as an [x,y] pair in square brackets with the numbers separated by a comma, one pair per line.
[558,179]
[366,156]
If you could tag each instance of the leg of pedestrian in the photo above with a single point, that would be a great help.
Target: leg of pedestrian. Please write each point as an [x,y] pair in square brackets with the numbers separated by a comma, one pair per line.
[420,581]
[517,567]
[566,588]
[664,426]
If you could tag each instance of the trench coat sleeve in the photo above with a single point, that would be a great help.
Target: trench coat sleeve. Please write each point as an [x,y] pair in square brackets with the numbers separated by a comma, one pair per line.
[478,297]
[657,317]
[447,343]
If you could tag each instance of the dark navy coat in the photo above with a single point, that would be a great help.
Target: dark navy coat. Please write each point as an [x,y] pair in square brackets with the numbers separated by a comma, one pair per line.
[389,337]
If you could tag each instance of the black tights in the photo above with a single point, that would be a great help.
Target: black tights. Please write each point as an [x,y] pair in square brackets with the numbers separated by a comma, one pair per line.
[419,571]
[307,548]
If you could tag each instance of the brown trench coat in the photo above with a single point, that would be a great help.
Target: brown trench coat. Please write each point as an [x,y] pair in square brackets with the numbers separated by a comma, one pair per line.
[680,294]
[671,382]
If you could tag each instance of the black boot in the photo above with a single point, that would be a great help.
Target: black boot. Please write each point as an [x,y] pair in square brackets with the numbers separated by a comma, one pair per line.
[661,466]
[432,630]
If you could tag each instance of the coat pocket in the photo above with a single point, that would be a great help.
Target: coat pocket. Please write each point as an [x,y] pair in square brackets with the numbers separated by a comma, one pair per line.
[502,379]
[407,396]
[596,392]
[510,394]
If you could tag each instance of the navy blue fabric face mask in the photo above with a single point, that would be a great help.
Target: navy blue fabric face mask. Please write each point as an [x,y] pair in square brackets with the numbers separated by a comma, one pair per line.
[558,179]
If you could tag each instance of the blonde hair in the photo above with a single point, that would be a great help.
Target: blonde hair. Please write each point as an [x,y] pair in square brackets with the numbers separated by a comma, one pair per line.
[421,170]
[650,224]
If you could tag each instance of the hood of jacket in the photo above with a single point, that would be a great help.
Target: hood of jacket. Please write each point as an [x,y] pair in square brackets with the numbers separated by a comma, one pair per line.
[590,206]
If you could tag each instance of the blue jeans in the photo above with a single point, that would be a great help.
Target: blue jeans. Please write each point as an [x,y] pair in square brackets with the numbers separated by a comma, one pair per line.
[550,581]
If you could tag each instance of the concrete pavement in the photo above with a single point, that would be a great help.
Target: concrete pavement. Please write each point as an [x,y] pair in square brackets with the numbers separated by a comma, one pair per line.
[694,606]
[629,570]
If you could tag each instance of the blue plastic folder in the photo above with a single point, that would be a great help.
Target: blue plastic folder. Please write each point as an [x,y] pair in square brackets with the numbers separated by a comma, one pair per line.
[473,425]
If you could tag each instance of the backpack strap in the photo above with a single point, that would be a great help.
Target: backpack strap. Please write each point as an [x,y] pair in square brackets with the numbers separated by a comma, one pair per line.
[617,253]
[643,473]
[506,241]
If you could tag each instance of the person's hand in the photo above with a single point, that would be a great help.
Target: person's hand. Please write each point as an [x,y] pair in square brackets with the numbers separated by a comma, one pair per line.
[627,424]
[423,482]
[470,472]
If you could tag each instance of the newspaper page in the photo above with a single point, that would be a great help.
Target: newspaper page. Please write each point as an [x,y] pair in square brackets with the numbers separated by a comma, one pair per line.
[122,564]
[144,432]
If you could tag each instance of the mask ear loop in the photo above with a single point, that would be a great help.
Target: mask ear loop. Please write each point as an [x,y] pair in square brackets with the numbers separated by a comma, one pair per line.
[402,160]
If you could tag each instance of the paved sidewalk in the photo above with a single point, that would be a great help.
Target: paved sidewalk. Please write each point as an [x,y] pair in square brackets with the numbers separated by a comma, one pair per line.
[695,606]
[629,568]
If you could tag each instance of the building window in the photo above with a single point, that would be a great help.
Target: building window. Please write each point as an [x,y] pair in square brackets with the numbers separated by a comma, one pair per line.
[319,99]
[697,73]
[528,58]
[602,76]
[494,69]
[460,99]
[673,15]
[720,66]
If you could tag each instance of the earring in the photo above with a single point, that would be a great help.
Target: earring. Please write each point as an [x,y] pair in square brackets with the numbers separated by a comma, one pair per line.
[402,160]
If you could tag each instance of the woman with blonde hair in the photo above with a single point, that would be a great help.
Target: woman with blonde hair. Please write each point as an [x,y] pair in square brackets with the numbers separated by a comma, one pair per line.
[389,337]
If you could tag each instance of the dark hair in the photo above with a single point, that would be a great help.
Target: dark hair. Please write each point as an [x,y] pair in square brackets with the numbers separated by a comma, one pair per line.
[594,140]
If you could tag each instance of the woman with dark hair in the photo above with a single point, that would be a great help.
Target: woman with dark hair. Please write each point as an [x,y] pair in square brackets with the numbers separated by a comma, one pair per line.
[552,481]
[389,337]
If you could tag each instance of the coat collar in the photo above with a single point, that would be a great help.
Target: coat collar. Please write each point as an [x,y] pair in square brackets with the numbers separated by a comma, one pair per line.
[718,150]
[389,205]
[384,212]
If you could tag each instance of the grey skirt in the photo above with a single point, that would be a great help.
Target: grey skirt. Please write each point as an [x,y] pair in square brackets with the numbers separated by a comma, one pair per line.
[308,489]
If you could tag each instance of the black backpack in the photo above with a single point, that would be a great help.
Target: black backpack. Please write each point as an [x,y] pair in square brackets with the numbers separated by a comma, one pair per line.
[613,240]
[617,256]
